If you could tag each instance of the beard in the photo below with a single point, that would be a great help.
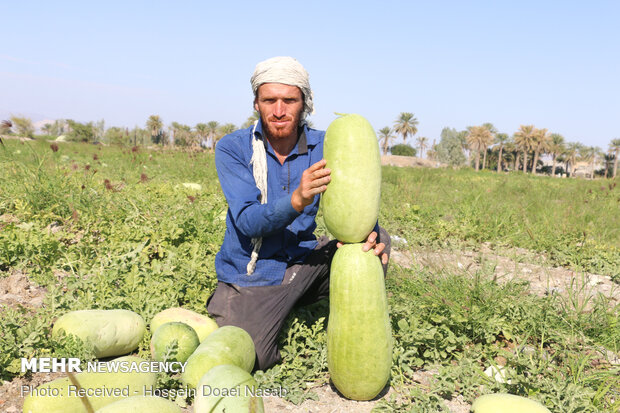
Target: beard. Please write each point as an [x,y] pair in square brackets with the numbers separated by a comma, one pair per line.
[279,132]
[272,130]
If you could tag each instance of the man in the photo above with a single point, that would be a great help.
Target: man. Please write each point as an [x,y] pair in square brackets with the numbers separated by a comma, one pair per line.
[272,175]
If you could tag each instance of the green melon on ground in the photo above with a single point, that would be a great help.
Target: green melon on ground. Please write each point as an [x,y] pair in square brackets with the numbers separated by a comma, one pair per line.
[185,337]
[61,396]
[350,204]
[226,345]
[227,388]
[111,332]
[359,338]
[506,403]
[141,404]
[202,324]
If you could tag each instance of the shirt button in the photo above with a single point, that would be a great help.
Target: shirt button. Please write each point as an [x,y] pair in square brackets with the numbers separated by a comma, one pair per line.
[284,188]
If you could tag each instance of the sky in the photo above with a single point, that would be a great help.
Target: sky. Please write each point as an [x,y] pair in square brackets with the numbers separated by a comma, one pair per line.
[553,64]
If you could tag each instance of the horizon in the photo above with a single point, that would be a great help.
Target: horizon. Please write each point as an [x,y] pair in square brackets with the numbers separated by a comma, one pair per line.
[553,65]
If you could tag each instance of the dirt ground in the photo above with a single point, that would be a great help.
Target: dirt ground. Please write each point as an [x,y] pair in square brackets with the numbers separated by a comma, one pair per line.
[507,265]
[16,290]
[330,401]
[504,265]
[410,161]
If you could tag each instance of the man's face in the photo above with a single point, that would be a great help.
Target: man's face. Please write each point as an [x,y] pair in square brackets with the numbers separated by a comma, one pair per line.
[280,107]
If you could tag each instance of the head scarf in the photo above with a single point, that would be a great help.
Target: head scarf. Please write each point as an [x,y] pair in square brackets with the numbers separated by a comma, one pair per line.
[288,71]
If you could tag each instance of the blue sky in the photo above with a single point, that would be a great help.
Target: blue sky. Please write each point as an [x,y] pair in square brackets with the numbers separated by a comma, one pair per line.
[554,64]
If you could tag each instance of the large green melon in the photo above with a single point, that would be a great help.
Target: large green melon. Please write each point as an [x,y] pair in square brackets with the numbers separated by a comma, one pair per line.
[112,332]
[359,337]
[351,202]
[185,337]
[227,388]
[506,403]
[226,345]
[61,396]
[201,323]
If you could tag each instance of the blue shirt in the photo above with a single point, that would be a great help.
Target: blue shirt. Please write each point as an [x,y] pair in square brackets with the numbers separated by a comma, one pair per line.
[288,236]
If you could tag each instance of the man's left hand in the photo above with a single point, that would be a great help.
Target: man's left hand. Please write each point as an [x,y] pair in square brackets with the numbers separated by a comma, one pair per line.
[371,244]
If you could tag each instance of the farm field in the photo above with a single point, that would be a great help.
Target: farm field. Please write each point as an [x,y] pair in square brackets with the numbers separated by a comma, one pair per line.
[506,273]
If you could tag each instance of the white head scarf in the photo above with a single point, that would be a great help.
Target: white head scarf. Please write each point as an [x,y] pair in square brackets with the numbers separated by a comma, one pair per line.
[288,71]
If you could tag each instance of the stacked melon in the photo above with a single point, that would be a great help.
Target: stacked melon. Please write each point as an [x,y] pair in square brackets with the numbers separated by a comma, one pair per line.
[177,335]
[359,339]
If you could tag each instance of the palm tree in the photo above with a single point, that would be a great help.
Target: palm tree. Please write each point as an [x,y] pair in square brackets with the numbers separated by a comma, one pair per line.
[155,126]
[478,138]
[556,148]
[202,131]
[512,147]
[501,139]
[174,128]
[227,128]
[589,154]
[250,120]
[608,158]
[406,124]
[493,131]
[213,128]
[524,139]
[385,136]
[422,144]
[541,143]
[614,146]
[223,131]
[572,149]
[182,135]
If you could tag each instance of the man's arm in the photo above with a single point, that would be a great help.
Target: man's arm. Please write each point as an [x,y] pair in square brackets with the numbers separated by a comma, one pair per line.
[251,217]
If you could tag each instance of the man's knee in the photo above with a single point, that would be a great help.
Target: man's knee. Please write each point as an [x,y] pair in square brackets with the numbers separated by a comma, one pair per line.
[259,311]
[267,354]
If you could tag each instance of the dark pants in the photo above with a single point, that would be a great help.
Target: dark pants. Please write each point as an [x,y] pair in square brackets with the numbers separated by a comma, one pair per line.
[261,311]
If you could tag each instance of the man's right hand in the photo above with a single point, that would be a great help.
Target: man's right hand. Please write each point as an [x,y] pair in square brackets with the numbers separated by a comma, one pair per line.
[314,181]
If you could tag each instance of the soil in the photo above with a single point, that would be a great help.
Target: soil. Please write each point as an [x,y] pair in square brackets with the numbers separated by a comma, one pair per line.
[16,290]
[330,401]
[409,161]
[507,265]
[543,279]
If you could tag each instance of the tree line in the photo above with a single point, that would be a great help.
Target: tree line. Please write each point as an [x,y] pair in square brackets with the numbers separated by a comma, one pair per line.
[155,131]
[521,151]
